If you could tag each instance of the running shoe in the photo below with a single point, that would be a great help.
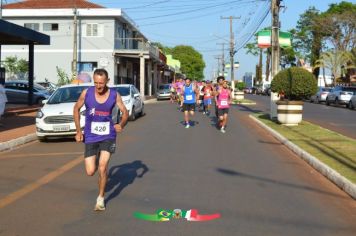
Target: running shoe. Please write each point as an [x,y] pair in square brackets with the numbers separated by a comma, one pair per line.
[187,126]
[100,205]
[222,130]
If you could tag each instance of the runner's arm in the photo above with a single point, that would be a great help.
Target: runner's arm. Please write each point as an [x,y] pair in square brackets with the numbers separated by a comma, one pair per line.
[76,115]
[125,114]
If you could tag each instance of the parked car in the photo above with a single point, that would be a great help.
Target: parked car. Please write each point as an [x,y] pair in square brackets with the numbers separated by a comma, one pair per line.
[340,95]
[55,118]
[321,95]
[247,90]
[17,92]
[352,102]
[51,87]
[132,100]
[163,92]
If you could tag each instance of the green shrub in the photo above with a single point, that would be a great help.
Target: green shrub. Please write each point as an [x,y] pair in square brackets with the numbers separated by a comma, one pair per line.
[295,83]
[240,86]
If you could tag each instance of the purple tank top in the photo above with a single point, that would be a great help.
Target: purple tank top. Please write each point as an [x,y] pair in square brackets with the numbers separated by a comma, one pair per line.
[98,121]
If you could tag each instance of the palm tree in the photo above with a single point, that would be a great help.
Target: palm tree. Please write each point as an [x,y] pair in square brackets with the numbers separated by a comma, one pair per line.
[336,62]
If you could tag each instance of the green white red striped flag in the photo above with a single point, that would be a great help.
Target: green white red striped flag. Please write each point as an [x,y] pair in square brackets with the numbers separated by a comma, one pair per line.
[264,39]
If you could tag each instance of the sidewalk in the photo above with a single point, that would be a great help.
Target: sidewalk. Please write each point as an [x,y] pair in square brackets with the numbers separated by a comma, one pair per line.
[18,124]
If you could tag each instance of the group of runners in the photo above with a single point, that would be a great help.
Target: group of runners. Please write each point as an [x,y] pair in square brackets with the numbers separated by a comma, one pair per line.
[204,94]
[100,131]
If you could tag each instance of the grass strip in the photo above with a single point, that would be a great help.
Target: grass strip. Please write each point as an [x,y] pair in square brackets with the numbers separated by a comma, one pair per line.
[333,149]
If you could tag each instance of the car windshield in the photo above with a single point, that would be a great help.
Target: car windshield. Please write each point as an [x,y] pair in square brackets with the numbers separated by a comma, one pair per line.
[68,94]
[348,89]
[326,89]
[165,86]
[123,91]
[39,87]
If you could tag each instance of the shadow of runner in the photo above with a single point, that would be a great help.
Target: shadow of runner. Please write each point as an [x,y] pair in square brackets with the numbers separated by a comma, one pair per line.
[121,176]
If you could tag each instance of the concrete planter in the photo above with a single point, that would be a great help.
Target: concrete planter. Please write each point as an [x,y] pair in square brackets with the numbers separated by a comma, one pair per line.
[239,95]
[289,112]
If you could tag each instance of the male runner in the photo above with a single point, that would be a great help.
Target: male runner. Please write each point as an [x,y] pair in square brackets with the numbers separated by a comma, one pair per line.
[99,130]
[190,94]
[224,101]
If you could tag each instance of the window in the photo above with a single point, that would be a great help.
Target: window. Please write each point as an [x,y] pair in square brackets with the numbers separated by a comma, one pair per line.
[93,30]
[33,26]
[50,27]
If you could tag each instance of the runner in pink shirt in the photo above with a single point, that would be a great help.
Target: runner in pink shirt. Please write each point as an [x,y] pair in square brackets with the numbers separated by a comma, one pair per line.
[224,101]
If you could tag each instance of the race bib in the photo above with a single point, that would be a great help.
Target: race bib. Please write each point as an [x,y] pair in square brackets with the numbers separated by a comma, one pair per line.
[223,103]
[189,97]
[100,128]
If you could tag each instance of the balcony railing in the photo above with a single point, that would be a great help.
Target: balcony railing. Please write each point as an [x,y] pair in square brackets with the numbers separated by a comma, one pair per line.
[136,44]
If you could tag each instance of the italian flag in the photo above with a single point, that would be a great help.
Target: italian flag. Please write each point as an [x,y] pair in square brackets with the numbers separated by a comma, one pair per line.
[264,39]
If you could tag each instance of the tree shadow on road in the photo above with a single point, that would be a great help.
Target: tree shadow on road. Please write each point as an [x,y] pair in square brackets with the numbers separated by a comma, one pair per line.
[121,176]
[276,182]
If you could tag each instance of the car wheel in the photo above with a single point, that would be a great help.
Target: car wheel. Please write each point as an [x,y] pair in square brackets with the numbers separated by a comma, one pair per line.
[133,115]
[351,106]
[42,139]
[142,112]
[327,102]
[336,102]
[317,100]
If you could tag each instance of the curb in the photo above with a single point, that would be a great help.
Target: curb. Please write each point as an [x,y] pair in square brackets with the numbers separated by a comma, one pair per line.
[17,112]
[9,145]
[334,176]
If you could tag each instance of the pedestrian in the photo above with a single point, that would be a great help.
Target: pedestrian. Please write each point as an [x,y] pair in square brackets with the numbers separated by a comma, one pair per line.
[100,130]
[224,101]
[3,99]
[190,94]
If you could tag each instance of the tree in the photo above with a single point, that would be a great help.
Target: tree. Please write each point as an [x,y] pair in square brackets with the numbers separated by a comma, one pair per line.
[16,67]
[309,36]
[338,24]
[63,77]
[336,62]
[192,63]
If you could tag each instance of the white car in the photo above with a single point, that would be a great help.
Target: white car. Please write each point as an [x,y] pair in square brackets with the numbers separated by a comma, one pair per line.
[352,102]
[132,99]
[55,119]
[321,95]
[340,95]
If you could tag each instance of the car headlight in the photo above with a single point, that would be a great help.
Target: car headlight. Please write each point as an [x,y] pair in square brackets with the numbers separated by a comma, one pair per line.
[39,114]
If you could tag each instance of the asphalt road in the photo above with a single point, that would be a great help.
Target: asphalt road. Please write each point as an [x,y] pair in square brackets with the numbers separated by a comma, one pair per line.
[336,118]
[257,185]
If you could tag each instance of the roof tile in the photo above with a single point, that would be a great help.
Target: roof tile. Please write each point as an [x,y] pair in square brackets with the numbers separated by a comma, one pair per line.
[46,4]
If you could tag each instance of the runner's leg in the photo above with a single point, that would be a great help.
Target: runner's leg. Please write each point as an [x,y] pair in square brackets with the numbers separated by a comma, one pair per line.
[103,171]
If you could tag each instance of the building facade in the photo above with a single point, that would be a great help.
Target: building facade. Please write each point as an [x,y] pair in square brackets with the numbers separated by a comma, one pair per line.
[86,37]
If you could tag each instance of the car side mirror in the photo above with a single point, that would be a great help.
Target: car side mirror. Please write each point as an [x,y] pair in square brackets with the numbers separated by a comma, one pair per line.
[44,101]
[136,95]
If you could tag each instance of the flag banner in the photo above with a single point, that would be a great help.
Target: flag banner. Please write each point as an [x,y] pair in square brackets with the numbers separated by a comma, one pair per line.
[166,215]
[264,39]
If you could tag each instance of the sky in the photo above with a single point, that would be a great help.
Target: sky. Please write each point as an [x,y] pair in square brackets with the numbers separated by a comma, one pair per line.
[198,23]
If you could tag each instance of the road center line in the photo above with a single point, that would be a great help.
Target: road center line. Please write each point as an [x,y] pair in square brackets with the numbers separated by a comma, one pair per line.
[12,197]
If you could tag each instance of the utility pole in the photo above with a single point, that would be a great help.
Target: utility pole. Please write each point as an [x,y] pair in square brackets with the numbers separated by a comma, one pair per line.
[218,58]
[75,42]
[223,57]
[275,53]
[232,52]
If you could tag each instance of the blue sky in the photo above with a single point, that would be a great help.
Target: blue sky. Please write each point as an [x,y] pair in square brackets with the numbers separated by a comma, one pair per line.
[197,23]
